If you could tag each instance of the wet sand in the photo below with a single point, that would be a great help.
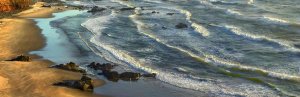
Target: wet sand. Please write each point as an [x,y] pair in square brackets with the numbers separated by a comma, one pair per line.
[20,35]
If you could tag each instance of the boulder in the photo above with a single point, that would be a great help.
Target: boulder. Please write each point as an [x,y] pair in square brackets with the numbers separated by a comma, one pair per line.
[152,75]
[71,67]
[181,26]
[98,66]
[96,9]
[85,83]
[21,58]
[130,76]
[111,75]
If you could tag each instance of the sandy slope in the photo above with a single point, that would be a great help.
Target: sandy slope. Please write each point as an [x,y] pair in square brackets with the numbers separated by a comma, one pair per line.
[18,36]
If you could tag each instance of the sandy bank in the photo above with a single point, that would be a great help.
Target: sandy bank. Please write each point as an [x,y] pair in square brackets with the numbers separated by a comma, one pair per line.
[20,35]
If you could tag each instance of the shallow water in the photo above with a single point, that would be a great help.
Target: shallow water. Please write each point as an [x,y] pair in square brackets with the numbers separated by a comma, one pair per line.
[230,48]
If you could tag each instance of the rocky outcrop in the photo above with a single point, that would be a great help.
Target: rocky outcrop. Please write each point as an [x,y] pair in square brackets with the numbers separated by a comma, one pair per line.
[114,76]
[130,76]
[96,9]
[125,76]
[85,83]
[21,58]
[71,67]
[111,75]
[98,66]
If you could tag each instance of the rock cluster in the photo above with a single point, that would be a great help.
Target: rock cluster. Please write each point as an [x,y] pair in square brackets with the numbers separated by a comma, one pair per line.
[114,76]
[98,66]
[71,67]
[125,76]
[85,83]
[21,58]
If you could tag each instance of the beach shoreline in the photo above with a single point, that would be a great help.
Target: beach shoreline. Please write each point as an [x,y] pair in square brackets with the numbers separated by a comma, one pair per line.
[19,36]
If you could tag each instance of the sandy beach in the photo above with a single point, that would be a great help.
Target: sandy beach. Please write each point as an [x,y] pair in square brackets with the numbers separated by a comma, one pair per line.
[20,35]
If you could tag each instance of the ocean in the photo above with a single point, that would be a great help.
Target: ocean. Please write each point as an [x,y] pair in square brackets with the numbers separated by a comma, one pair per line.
[229,48]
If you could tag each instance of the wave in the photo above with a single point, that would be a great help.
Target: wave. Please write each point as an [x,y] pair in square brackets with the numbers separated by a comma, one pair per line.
[123,2]
[215,58]
[274,19]
[283,43]
[230,11]
[98,24]
[186,81]
[198,28]
[177,79]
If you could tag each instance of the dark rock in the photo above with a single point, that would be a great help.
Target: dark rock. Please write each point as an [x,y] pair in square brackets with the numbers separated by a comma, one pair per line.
[85,83]
[111,75]
[98,66]
[170,13]
[21,58]
[152,75]
[128,8]
[96,9]
[71,67]
[181,26]
[130,76]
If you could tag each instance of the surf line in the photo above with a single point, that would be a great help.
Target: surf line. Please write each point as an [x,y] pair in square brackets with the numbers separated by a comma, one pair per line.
[227,63]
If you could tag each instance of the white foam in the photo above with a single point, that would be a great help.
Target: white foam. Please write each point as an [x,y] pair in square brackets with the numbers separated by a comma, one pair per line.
[98,24]
[184,81]
[125,3]
[250,2]
[215,58]
[234,12]
[180,80]
[274,19]
[198,28]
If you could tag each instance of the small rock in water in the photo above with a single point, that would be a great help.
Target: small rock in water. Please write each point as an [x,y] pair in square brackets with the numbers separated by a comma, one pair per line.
[170,13]
[181,26]
[21,58]
[127,8]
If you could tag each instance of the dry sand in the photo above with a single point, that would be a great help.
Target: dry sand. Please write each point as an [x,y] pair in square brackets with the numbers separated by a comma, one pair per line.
[20,35]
